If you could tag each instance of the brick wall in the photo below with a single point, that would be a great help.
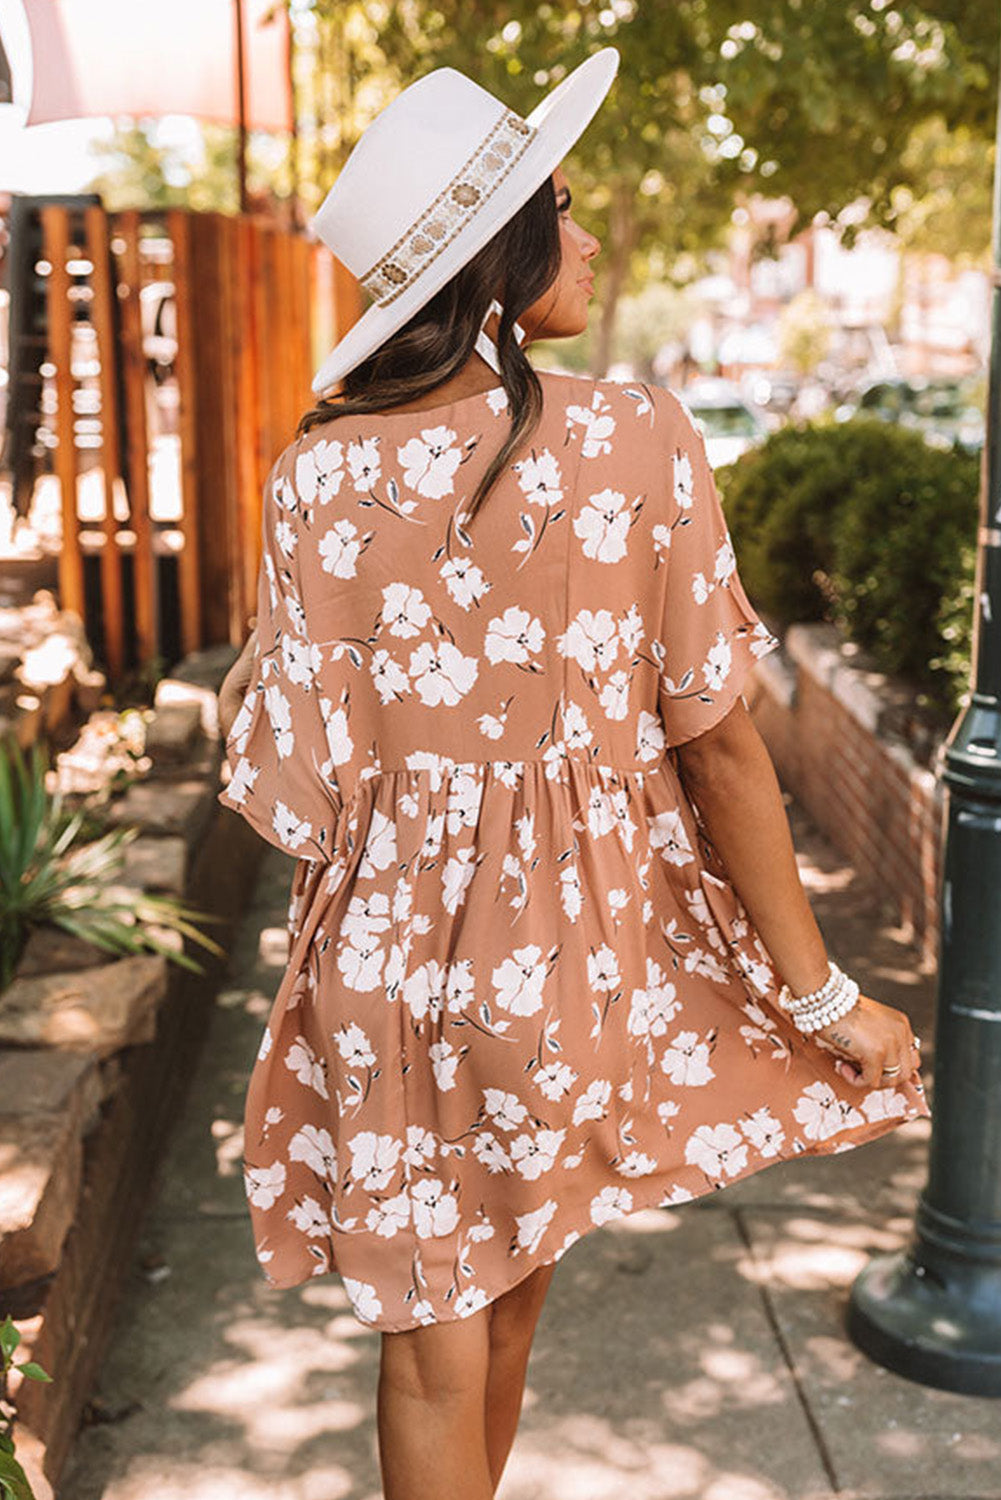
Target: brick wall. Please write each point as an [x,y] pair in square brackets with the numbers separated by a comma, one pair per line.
[820,716]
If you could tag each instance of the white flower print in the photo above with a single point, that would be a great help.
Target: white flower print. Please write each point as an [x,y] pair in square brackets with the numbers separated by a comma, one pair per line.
[354,1046]
[497,400]
[614,696]
[577,732]
[822,1113]
[365,465]
[555,1079]
[666,832]
[363,1299]
[444,1061]
[603,972]
[611,1203]
[513,636]
[591,640]
[532,1226]
[360,964]
[470,1301]
[683,481]
[650,739]
[380,845]
[506,1110]
[315,1147]
[637,1164]
[883,1104]
[436,1212]
[335,728]
[716,667]
[374,1159]
[519,979]
[310,1217]
[422,990]
[279,711]
[652,1008]
[464,580]
[686,1061]
[421,1147]
[460,987]
[716,1150]
[319,472]
[490,1153]
[592,1104]
[603,526]
[764,1132]
[430,461]
[442,676]
[598,424]
[389,678]
[301,1060]
[300,660]
[404,609]
[456,878]
[265,1185]
[535,1154]
[339,548]
[387,1218]
[539,479]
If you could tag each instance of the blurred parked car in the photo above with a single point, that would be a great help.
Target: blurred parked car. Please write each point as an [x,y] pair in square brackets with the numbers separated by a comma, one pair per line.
[730,424]
[946,409]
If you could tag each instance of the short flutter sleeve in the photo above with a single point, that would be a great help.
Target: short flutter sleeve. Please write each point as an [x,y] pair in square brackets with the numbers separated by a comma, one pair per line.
[279,749]
[710,633]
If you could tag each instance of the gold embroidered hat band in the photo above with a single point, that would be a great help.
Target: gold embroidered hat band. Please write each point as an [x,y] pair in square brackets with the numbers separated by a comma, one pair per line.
[429,183]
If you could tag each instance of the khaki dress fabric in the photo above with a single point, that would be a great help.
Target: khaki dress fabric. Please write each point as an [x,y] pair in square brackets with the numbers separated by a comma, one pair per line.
[523,998]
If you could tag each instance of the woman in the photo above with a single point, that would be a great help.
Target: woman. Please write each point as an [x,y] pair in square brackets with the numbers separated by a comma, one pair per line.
[551,960]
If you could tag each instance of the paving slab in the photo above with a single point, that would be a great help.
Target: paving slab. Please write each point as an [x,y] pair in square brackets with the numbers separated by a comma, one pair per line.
[884,1435]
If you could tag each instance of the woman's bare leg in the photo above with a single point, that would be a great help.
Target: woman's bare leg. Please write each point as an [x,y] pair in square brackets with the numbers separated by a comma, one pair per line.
[513,1317]
[431,1404]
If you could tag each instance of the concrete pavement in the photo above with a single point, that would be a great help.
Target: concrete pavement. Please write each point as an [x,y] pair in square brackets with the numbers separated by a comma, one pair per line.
[692,1352]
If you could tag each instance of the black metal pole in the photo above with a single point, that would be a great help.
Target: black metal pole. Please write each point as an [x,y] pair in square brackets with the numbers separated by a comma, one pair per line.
[933,1311]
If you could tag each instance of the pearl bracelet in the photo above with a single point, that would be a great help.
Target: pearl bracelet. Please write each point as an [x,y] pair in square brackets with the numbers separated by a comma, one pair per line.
[829,1002]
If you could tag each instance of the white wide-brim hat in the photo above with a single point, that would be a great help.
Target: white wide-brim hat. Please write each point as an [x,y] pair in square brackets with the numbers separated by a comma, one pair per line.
[432,179]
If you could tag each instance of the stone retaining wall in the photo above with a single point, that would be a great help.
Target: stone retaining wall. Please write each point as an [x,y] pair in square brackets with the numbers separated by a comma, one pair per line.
[94,1062]
[824,717]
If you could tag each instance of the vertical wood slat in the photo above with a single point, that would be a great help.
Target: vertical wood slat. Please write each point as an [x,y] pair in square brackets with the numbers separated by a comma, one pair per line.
[189,571]
[304,375]
[137,441]
[55,230]
[104,293]
[213,477]
[248,509]
[228,517]
[266,449]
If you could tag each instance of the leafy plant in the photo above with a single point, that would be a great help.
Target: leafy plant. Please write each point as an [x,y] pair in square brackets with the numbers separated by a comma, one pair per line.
[49,874]
[13,1480]
[867,525]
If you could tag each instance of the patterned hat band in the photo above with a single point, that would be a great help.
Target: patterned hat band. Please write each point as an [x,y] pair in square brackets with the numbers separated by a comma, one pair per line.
[457,203]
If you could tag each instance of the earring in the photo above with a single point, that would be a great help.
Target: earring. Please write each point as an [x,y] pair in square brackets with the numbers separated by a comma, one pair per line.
[485,345]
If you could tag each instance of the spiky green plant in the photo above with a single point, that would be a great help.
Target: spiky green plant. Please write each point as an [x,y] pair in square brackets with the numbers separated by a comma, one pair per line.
[49,875]
[13,1480]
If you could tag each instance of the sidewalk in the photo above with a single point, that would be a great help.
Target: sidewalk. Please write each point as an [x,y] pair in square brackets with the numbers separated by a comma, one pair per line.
[691,1352]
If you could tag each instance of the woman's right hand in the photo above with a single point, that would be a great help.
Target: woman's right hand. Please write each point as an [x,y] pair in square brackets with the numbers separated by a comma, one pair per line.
[869,1038]
[236,682]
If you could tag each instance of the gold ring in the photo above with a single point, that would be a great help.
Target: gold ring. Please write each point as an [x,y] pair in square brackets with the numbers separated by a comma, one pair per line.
[890,1072]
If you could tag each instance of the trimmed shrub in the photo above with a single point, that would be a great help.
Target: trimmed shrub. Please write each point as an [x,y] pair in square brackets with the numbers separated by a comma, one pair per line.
[866,525]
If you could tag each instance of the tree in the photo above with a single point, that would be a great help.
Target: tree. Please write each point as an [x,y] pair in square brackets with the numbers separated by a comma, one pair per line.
[814,99]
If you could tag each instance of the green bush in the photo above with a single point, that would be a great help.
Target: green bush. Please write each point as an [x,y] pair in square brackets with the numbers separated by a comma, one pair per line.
[866,525]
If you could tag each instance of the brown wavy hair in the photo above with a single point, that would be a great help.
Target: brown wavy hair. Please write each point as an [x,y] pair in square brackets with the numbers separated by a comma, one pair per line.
[517,266]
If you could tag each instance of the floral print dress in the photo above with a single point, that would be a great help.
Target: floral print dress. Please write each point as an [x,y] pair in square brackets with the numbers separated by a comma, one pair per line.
[523,998]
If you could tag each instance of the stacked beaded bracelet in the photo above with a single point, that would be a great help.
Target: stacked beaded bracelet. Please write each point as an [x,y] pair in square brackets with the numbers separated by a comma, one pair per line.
[835,998]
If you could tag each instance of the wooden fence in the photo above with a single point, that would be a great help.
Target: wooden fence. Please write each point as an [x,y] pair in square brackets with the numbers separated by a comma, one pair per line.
[252,310]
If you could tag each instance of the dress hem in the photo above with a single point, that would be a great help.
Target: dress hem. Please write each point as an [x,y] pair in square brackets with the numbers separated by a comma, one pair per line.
[858,1135]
